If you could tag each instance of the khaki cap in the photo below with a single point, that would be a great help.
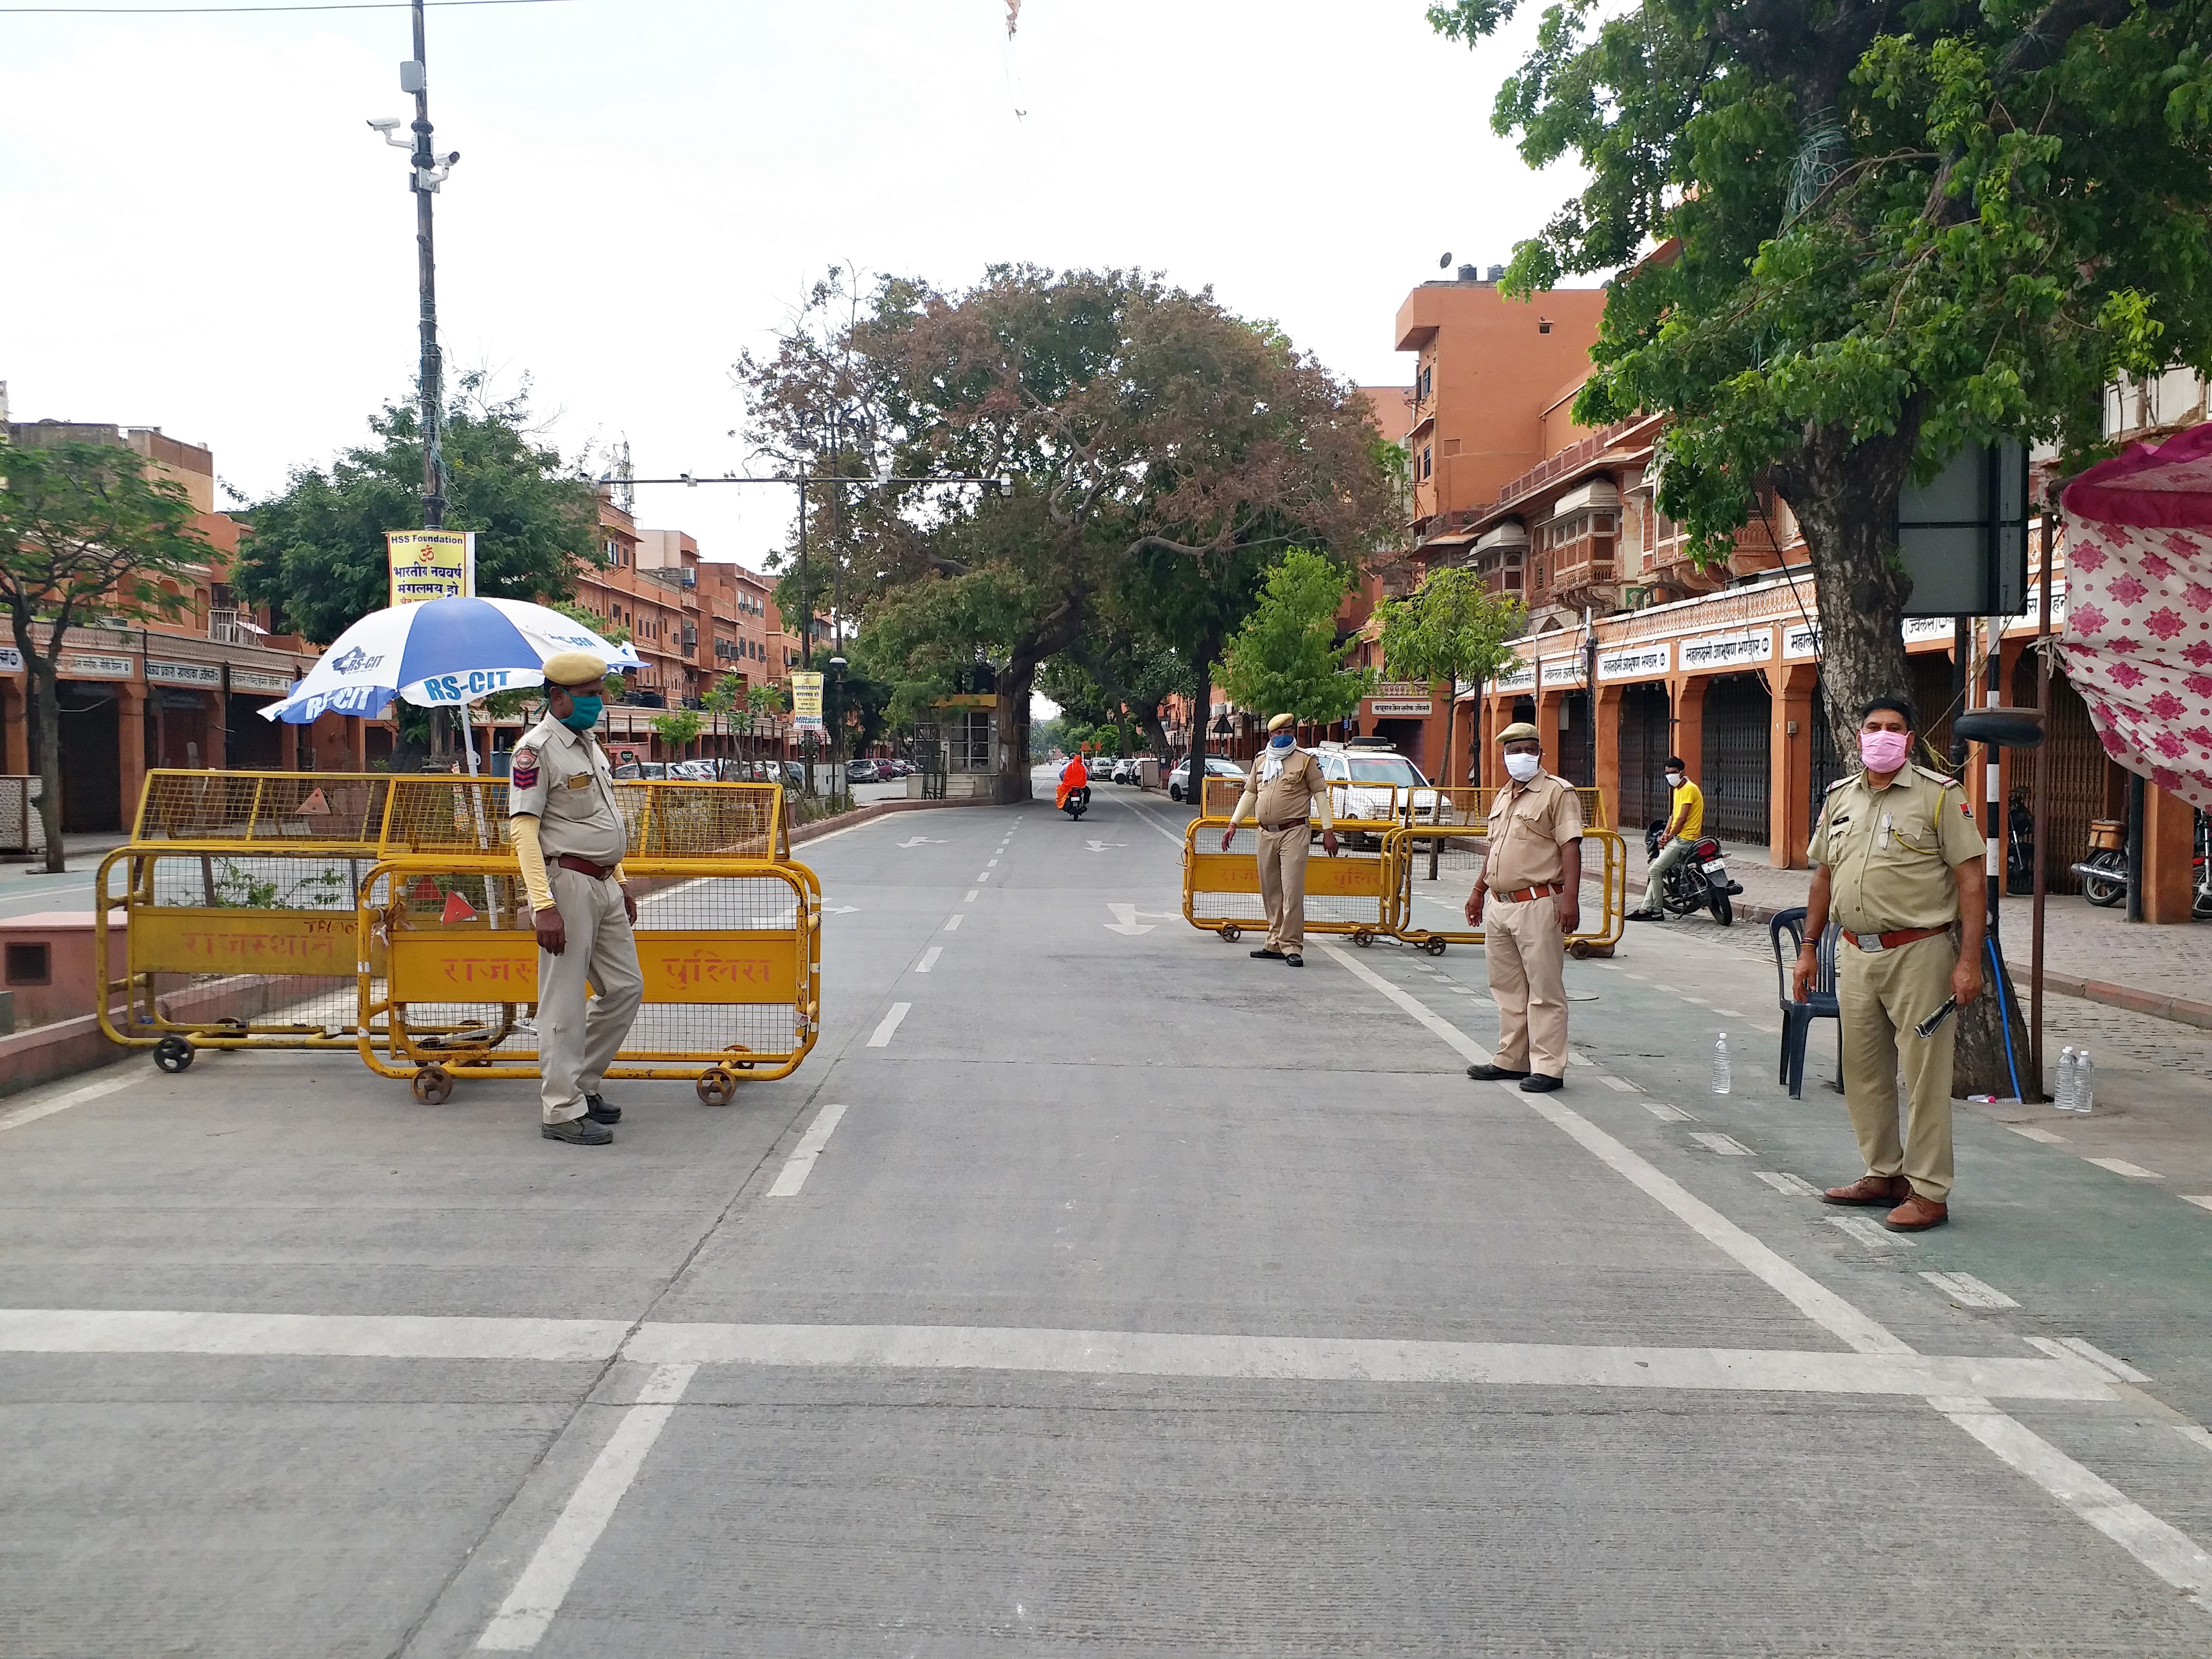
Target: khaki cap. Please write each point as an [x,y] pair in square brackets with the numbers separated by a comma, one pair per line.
[1520,731]
[574,668]
[1282,720]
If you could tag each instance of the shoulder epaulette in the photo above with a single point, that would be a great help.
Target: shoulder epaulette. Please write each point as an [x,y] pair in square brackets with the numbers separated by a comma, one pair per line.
[1853,777]
[1934,777]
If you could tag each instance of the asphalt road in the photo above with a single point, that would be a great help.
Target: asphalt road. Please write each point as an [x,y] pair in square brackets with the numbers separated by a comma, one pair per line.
[1093,1289]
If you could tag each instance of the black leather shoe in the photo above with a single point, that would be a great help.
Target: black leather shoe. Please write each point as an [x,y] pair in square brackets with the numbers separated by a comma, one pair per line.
[1537,1083]
[1268,956]
[578,1132]
[596,1110]
[1494,1074]
[1292,959]
[1646,915]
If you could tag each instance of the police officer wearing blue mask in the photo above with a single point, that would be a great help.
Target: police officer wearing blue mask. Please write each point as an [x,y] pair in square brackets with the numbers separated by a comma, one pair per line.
[569,840]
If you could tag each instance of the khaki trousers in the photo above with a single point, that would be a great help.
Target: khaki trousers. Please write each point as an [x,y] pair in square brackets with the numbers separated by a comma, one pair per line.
[1669,855]
[577,1040]
[1528,955]
[1283,886]
[1880,996]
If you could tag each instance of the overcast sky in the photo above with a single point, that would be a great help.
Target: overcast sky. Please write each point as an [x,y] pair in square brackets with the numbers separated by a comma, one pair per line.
[201,234]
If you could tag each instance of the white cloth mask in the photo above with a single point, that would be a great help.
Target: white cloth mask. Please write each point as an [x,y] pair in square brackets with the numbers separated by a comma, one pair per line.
[1674,780]
[1523,768]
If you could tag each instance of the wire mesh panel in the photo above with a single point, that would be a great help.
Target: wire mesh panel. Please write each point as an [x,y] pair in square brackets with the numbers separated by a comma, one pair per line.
[262,807]
[730,950]
[1432,870]
[719,820]
[1221,891]
[229,944]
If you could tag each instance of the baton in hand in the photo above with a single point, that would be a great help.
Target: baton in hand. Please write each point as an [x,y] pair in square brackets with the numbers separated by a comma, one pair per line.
[1934,1022]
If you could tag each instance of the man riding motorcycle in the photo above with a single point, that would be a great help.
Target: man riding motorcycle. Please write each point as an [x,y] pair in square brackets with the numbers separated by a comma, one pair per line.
[1686,819]
[1072,776]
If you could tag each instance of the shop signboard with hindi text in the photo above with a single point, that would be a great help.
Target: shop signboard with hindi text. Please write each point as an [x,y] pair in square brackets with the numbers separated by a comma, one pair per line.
[1723,651]
[1649,659]
[260,682]
[1521,677]
[1563,670]
[806,703]
[204,675]
[429,564]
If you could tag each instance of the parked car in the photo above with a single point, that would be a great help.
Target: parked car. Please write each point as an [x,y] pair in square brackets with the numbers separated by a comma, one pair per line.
[634,770]
[860,771]
[1216,766]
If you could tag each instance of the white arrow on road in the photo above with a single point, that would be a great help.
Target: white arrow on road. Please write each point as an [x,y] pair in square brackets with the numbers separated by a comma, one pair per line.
[922,841]
[839,910]
[1101,845]
[1125,920]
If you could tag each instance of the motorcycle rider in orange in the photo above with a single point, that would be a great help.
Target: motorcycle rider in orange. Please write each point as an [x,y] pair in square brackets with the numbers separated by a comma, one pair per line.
[1072,777]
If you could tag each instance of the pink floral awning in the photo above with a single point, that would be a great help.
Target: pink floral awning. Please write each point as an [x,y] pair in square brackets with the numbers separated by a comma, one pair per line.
[2138,639]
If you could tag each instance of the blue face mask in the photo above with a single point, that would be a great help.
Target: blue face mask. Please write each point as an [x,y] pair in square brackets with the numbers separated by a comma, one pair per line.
[585,714]
[1282,739]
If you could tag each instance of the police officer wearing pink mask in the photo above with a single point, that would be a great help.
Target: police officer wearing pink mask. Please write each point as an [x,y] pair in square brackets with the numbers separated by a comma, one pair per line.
[1897,860]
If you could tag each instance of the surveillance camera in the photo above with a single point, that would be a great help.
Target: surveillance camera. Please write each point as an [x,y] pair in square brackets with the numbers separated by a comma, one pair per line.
[386,122]
[453,156]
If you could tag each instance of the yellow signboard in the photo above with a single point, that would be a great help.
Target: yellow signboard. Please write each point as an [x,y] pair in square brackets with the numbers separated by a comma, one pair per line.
[176,940]
[807,701]
[430,564]
[474,964]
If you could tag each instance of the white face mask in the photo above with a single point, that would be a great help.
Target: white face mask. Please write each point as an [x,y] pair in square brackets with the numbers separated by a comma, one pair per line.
[1674,780]
[1522,767]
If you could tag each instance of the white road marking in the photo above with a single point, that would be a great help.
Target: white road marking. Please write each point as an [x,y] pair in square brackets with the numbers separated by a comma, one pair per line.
[346,1336]
[1686,997]
[929,959]
[1726,1145]
[882,1038]
[2171,1554]
[1966,1289]
[1665,1113]
[1576,1057]
[2088,1353]
[2191,1431]
[1782,1182]
[2160,1547]
[30,1111]
[1874,1238]
[2033,1133]
[1732,1013]
[800,1163]
[1620,1083]
[868,823]
[992,865]
[985,876]
[952,922]
[1159,827]
[2201,1200]
[972,892]
[2120,1166]
[537,1596]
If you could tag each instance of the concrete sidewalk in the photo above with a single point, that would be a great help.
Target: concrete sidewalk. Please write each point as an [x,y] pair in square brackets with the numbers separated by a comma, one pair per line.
[2087,952]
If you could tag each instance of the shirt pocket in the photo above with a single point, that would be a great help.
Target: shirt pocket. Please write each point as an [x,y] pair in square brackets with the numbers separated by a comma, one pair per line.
[1910,831]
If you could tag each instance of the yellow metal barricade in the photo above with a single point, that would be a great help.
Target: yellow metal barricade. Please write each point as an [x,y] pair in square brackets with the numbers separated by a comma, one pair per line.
[731,951]
[1431,869]
[238,891]
[1347,894]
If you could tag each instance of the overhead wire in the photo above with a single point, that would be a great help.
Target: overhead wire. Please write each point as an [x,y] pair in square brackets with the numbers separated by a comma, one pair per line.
[203,11]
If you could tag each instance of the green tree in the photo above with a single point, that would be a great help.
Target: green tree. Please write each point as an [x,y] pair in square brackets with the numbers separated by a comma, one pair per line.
[676,729]
[86,534]
[1451,627]
[1284,659]
[1885,231]
[317,556]
[768,700]
[1118,673]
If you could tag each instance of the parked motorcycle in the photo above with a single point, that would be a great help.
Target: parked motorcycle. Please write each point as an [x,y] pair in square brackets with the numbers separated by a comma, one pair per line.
[1078,803]
[2104,872]
[1699,882]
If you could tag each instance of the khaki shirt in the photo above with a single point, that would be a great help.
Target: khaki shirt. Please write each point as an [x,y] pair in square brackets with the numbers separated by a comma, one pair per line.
[562,779]
[1530,825]
[1287,798]
[1891,852]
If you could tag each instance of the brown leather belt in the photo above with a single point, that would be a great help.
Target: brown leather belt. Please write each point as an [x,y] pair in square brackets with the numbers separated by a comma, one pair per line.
[1278,828]
[1524,894]
[583,867]
[1891,941]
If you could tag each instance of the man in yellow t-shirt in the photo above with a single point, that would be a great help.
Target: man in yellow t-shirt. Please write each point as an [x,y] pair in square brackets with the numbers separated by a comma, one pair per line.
[1686,821]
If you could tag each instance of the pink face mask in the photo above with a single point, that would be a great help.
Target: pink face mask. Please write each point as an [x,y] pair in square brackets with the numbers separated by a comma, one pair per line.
[1883,752]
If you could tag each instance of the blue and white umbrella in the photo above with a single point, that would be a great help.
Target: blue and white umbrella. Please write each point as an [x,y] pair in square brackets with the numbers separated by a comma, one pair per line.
[441,653]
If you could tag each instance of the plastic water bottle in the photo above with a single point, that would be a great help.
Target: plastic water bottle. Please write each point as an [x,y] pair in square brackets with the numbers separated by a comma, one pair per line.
[1721,1065]
[2068,1066]
[2084,1085]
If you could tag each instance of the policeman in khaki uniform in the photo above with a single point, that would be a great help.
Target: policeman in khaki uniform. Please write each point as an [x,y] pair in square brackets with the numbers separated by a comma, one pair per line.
[1897,858]
[568,837]
[1285,786]
[1531,885]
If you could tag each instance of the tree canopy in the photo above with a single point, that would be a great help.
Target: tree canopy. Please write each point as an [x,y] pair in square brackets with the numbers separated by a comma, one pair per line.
[1882,231]
[1284,659]
[316,555]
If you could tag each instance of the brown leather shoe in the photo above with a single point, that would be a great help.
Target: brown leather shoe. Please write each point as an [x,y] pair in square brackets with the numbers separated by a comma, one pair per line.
[1916,1215]
[1869,1190]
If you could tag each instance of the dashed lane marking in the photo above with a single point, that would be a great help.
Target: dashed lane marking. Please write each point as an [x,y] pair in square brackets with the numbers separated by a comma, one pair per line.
[31,1111]
[2120,1166]
[2201,1200]
[890,1022]
[2031,1132]
[929,959]
[952,922]
[972,893]
[1970,1291]
[1874,1238]
[1620,1083]
[1782,1182]
[1666,1114]
[2076,1347]
[2198,1434]
[800,1163]
[1724,1146]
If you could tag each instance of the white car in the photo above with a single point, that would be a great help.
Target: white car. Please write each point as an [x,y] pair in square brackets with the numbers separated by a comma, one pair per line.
[1391,781]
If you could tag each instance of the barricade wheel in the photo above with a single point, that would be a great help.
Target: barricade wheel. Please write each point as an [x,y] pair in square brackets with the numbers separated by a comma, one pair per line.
[231,1023]
[1363,939]
[738,1064]
[716,1087]
[433,1085]
[173,1054]
[1580,949]
[1232,934]
[1436,946]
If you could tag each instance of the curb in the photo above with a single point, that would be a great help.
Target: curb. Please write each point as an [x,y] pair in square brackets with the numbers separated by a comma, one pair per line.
[874,809]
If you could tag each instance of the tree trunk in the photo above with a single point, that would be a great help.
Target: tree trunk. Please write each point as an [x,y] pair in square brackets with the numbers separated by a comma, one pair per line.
[1201,711]
[1155,735]
[48,695]
[1014,689]
[1845,495]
